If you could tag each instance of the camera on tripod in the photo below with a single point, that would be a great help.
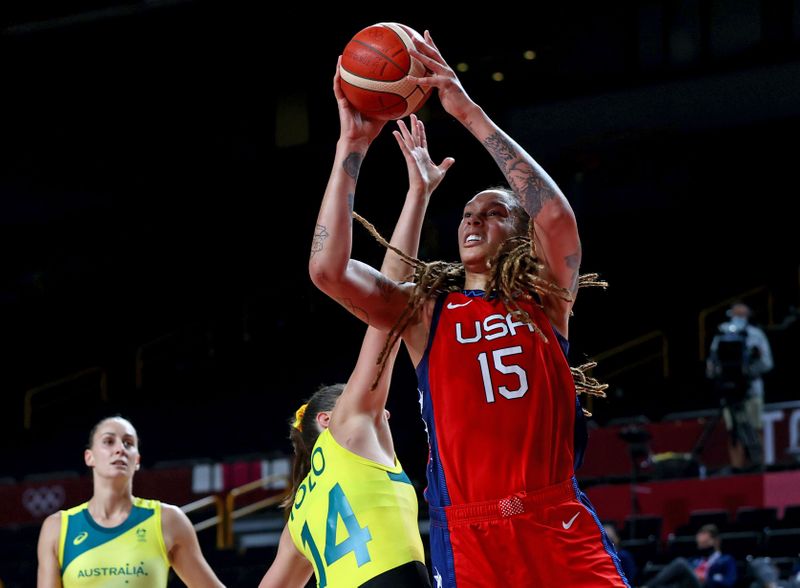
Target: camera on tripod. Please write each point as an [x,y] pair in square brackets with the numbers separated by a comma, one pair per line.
[730,363]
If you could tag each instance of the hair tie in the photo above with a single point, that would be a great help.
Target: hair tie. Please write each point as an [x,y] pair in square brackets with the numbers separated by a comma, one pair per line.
[298,417]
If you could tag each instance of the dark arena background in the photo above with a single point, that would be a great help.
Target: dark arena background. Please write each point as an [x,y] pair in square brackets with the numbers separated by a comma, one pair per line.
[161,170]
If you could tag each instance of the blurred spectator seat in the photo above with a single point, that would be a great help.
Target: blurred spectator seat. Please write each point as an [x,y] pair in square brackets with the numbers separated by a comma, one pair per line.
[741,544]
[790,519]
[642,527]
[782,542]
[643,551]
[698,518]
[681,546]
[755,519]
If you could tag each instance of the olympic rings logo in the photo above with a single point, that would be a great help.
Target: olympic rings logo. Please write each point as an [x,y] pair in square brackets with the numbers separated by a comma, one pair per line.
[43,501]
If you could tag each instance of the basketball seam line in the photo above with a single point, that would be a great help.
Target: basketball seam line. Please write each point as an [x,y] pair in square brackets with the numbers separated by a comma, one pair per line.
[417,88]
[389,59]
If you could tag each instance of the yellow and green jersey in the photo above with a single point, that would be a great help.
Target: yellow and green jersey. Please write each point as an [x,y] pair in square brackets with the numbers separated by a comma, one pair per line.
[353,518]
[130,555]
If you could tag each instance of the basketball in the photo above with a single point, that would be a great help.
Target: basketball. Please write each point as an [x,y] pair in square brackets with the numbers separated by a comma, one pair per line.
[373,71]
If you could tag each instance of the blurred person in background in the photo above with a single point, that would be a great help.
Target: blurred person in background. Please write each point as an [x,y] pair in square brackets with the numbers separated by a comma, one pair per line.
[739,354]
[710,569]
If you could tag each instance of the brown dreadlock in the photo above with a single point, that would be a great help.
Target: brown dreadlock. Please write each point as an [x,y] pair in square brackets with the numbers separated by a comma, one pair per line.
[516,273]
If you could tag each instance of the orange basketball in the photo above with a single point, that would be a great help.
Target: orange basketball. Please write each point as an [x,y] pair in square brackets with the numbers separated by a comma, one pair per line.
[374,67]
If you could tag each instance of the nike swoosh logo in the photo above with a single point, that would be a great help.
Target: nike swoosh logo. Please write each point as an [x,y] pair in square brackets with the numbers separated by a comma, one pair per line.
[572,520]
[80,538]
[451,306]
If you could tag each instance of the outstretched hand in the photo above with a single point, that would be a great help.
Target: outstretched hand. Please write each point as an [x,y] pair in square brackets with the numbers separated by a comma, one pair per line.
[423,174]
[440,76]
[354,125]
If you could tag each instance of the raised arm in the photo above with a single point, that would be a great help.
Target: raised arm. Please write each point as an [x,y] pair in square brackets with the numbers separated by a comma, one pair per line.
[358,418]
[424,177]
[359,398]
[361,289]
[558,244]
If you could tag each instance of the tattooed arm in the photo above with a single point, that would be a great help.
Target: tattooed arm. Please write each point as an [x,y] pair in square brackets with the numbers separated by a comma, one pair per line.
[359,421]
[361,289]
[557,241]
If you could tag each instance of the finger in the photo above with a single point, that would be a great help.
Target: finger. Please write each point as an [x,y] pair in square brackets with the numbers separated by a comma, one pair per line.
[432,43]
[428,50]
[430,63]
[425,82]
[336,73]
[446,164]
[423,139]
[414,126]
[403,146]
[405,132]
[337,79]
[429,39]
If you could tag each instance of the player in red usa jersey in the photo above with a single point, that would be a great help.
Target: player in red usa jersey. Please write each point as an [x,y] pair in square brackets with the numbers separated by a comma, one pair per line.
[488,338]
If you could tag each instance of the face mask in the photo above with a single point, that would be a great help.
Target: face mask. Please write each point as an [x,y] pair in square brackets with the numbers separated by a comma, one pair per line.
[739,322]
[706,551]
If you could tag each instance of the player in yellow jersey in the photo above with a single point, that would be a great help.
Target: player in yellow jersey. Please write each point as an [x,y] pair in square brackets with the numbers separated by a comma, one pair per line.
[353,511]
[116,539]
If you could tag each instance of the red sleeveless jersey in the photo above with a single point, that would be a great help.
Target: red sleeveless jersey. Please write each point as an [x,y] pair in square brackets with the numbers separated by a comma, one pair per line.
[498,401]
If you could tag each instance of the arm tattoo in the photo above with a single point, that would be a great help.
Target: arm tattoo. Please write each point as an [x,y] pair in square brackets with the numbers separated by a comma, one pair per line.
[573,261]
[385,286]
[320,234]
[525,179]
[501,149]
[352,164]
[533,189]
[356,311]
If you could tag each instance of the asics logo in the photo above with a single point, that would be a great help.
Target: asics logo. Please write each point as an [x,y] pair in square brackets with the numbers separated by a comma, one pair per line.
[80,538]
[567,525]
[451,306]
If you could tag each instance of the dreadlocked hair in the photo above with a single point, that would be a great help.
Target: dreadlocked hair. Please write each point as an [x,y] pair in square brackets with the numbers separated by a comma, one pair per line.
[303,432]
[586,384]
[516,273]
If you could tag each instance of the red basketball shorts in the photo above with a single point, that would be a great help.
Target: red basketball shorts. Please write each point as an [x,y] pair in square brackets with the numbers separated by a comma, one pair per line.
[550,537]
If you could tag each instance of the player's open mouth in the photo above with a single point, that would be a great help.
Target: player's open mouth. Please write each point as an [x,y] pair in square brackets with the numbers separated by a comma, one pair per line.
[473,239]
